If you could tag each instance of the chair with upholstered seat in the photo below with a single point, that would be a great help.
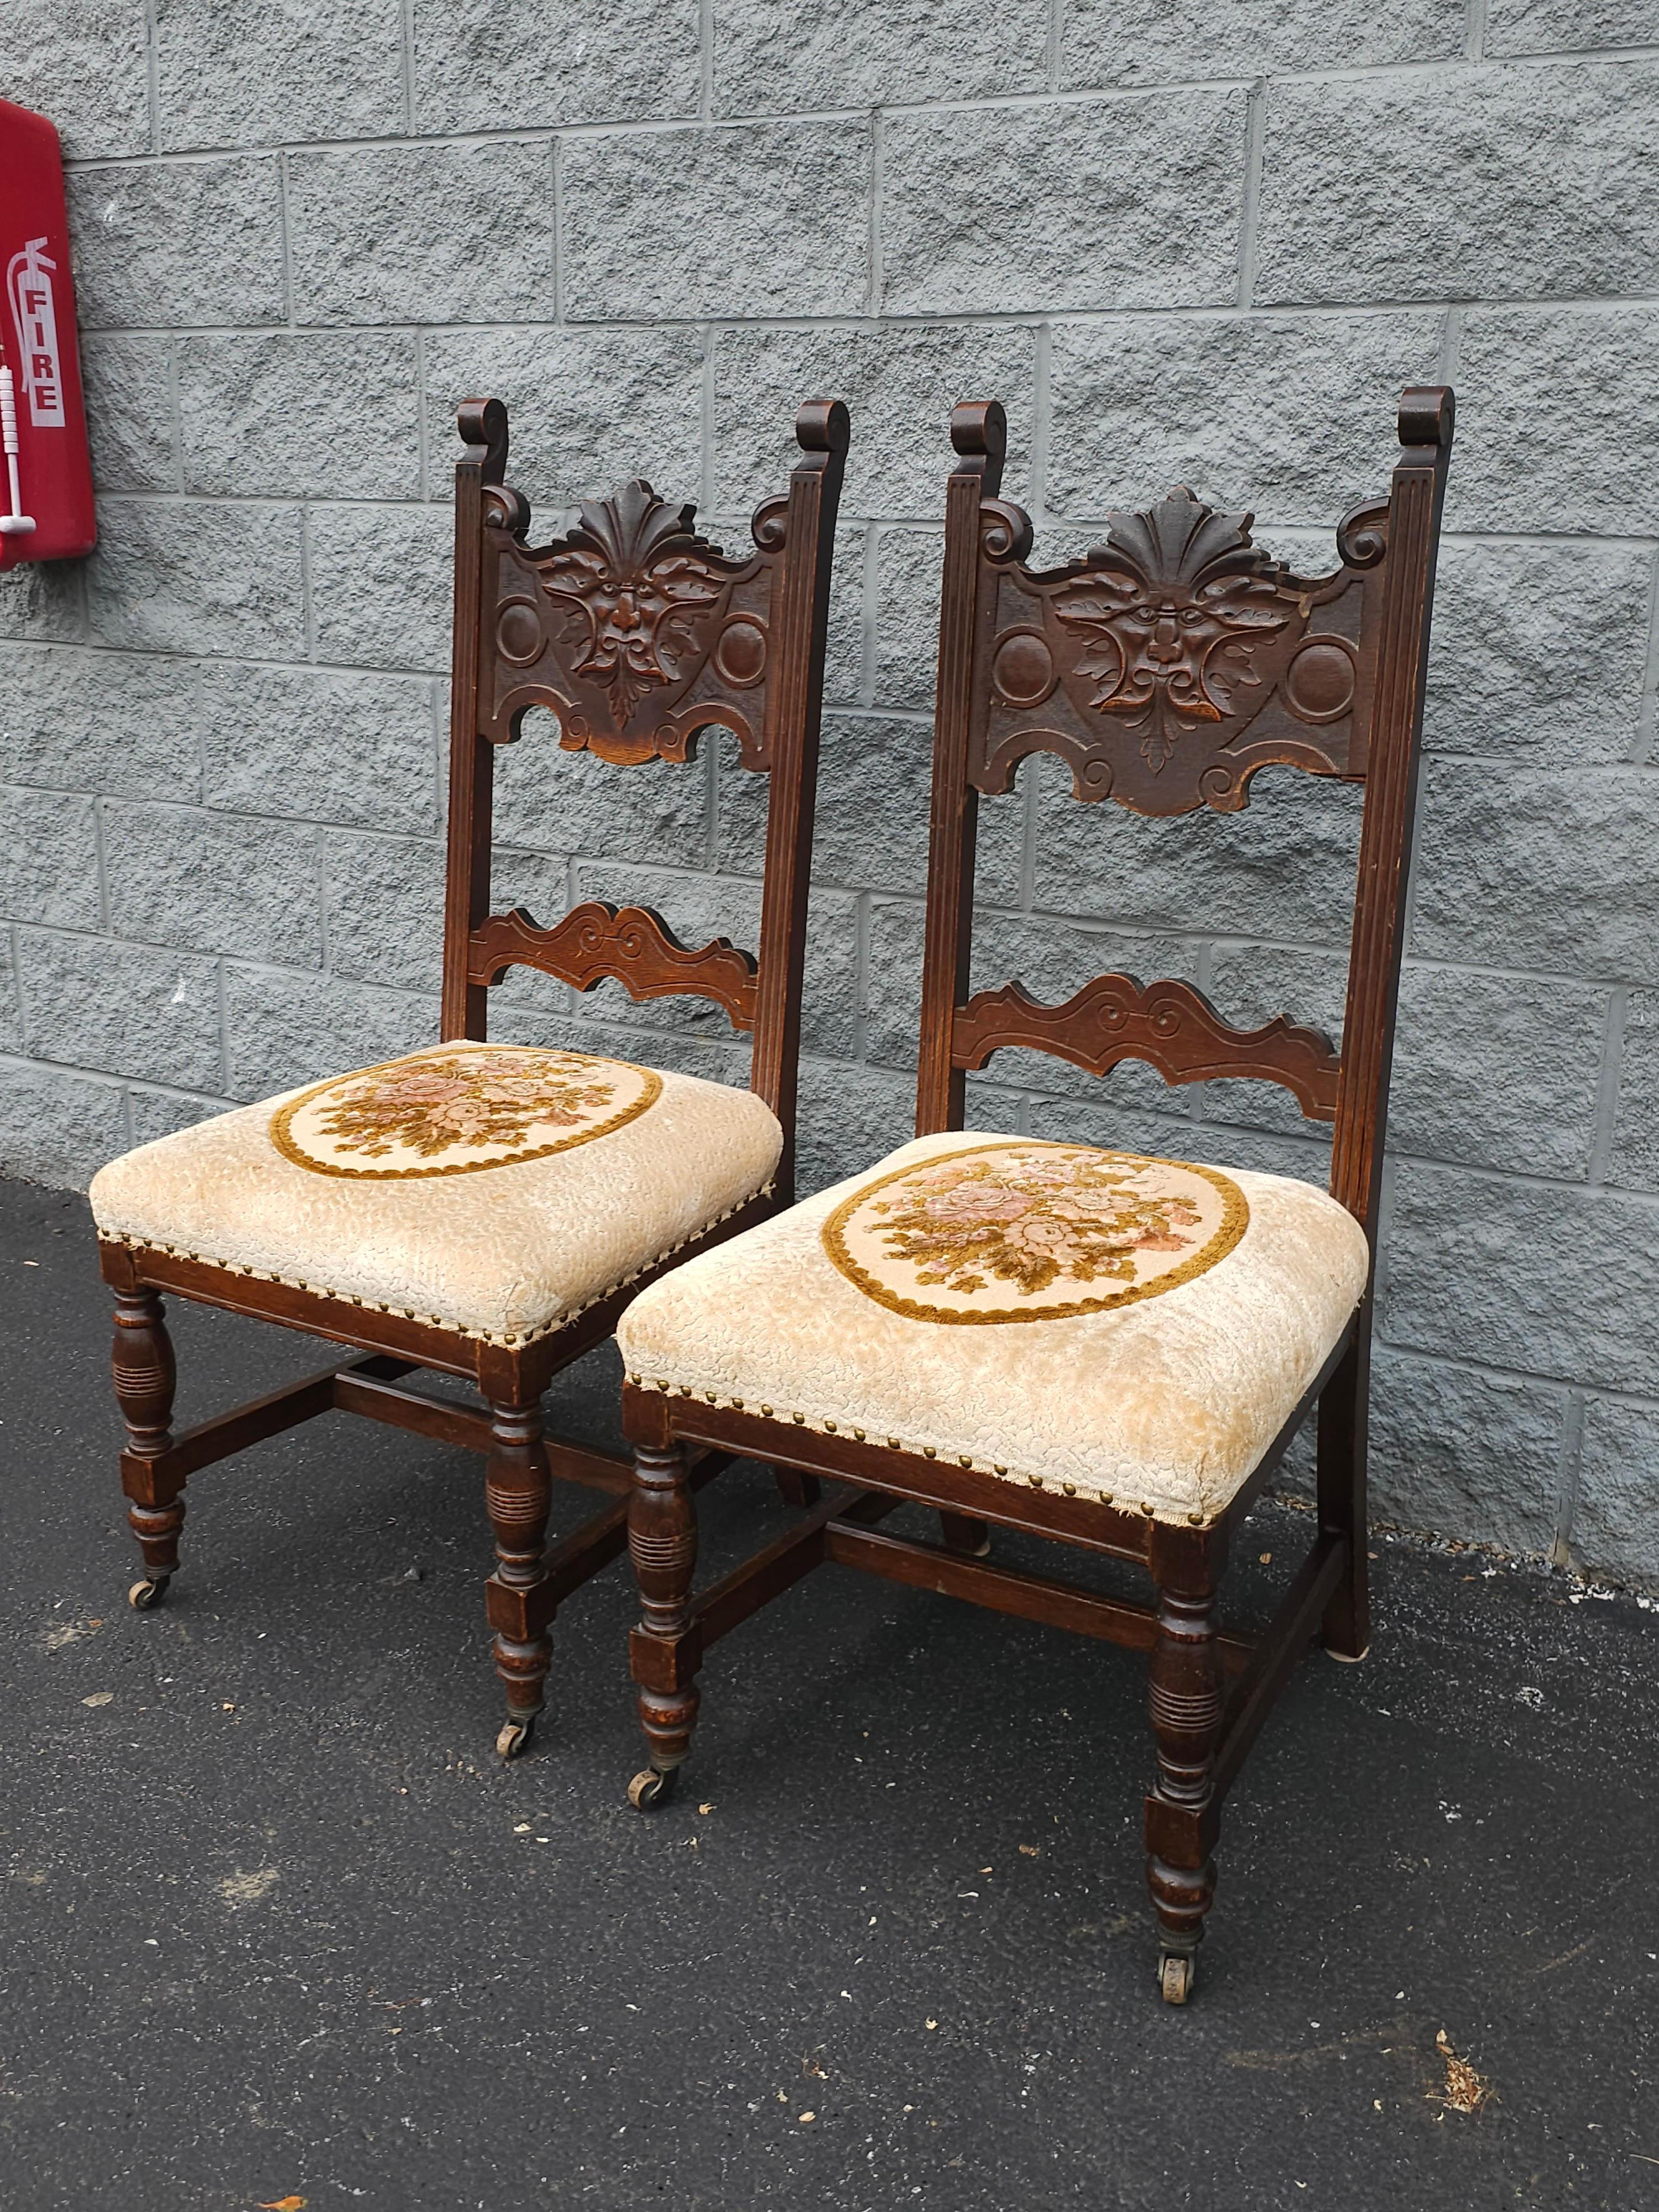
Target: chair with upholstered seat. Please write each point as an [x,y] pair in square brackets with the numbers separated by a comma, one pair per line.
[1102,1348]
[485,1210]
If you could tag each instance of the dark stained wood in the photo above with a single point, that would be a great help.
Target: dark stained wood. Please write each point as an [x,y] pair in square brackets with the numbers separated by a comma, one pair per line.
[1171,1026]
[1008,1590]
[662,1542]
[630,944]
[639,635]
[1294,1626]
[1167,668]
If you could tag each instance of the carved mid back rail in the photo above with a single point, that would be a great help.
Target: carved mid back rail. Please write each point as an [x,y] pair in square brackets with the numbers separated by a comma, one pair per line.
[1166,667]
[639,635]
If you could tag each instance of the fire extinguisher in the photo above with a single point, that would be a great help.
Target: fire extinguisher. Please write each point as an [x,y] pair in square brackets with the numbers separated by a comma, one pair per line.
[45,498]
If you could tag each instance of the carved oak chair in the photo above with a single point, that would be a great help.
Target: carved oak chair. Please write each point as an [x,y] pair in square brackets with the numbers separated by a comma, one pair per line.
[487,1211]
[1106,1349]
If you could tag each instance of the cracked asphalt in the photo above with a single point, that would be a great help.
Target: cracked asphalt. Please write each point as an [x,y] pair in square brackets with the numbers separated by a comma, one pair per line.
[279,1927]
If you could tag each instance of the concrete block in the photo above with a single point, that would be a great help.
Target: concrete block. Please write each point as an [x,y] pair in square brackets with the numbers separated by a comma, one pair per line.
[850,1118]
[1145,42]
[871,824]
[1146,402]
[1470,183]
[283,1029]
[982,209]
[56,1128]
[289,416]
[421,233]
[1556,428]
[49,860]
[1538,1277]
[320,742]
[1117,1122]
[1546,867]
[11,1006]
[589,410]
[899,386]
[1634,1164]
[213,883]
[508,65]
[908,569]
[41,599]
[382,584]
[1615,1531]
[128,386]
[123,1009]
[1539,651]
[1498,1071]
[242,75]
[160,1113]
[1458,1454]
[717,1056]
[871,53]
[549,800]
[1282,868]
[765,220]
[385,904]
[1546,27]
[178,243]
[83,63]
[197,576]
[123,724]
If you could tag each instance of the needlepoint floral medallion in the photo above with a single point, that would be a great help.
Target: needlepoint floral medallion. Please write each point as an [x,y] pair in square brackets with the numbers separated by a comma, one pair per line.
[458,1109]
[1018,1232]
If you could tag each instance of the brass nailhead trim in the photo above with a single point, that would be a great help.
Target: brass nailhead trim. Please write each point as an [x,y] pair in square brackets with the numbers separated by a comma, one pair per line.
[999,1470]
[928,1452]
[767,1410]
[830,1426]
[963,1460]
[858,1433]
[1070,1488]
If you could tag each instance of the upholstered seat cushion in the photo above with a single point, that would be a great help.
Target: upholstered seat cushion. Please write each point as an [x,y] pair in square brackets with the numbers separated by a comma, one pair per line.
[1118,1327]
[493,1190]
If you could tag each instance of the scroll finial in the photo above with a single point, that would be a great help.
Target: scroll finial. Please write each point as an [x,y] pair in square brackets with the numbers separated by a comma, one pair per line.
[1426,413]
[482,424]
[822,426]
[979,428]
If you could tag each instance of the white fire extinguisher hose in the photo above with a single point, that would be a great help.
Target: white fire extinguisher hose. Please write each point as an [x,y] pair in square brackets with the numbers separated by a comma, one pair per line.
[15,523]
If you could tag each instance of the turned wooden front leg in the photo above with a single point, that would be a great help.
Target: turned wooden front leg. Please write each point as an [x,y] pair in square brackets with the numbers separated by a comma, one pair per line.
[517,1491]
[1187,1698]
[145,1376]
[662,1542]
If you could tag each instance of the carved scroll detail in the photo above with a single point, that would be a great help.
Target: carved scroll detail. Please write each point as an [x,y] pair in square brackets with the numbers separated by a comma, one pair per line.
[1168,1025]
[628,628]
[1175,660]
[631,945]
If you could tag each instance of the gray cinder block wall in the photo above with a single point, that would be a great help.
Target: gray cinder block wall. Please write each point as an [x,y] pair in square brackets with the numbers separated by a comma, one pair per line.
[1204,244]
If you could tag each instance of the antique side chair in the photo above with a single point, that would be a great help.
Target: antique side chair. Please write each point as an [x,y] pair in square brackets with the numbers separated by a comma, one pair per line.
[487,1211]
[1097,1346]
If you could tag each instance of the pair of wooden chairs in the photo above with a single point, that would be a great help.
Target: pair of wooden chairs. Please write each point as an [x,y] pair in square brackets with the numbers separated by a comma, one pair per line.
[1099,1347]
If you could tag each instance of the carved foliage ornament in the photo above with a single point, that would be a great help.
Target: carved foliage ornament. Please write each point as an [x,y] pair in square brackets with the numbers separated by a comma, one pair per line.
[634,629]
[646,594]
[1166,644]
[1173,623]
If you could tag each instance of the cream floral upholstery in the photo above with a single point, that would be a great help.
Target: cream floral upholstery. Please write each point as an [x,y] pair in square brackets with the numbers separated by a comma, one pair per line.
[1120,1328]
[495,1190]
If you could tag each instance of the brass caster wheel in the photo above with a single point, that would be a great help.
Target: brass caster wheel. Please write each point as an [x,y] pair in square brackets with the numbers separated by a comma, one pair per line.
[1176,1974]
[147,1592]
[651,1787]
[514,1739]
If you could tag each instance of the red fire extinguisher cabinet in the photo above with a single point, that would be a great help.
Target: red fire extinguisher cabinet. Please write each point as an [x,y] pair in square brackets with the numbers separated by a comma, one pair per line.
[37,329]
